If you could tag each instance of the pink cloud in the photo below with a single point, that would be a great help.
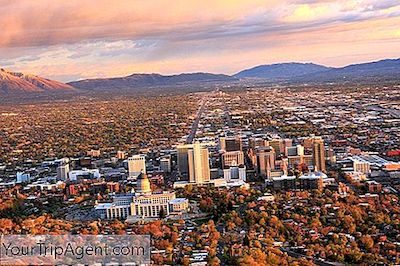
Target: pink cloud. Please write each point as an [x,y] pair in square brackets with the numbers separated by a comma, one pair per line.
[66,38]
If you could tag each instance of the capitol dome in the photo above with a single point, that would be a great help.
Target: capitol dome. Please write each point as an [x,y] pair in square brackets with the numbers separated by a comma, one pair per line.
[143,184]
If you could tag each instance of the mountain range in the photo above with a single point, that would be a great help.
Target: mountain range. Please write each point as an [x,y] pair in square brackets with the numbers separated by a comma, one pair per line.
[15,83]
[145,80]
[281,71]
[384,70]
[388,69]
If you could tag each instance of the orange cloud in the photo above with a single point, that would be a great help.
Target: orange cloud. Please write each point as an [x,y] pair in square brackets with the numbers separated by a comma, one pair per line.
[65,39]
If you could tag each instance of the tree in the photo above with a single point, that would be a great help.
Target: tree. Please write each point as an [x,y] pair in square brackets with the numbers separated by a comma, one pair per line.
[367,242]
[185,261]
[214,261]
[161,214]
[246,241]
[6,225]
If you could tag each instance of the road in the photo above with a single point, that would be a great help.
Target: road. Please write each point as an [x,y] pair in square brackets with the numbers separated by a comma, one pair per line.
[195,124]
[228,117]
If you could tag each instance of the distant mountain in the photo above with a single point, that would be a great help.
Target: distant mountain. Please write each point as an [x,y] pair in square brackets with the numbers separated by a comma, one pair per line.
[388,69]
[384,70]
[283,71]
[143,80]
[16,83]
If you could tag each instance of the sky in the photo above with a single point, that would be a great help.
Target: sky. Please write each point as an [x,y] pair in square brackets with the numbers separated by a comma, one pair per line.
[79,39]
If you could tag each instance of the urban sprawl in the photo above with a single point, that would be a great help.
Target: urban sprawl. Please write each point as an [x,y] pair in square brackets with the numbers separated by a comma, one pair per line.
[249,176]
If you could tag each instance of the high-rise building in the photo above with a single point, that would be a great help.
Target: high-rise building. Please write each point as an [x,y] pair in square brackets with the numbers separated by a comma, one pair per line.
[232,158]
[120,155]
[257,142]
[198,161]
[284,166]
[361,165]
[315,146]
[295,151]
[231,143]
[296,157]
[308,160]
[182,158]
[286,143]
[308,142]
[235,174]
[62,171]
[331,156]
[265,160]
[165,164]
[277,144]
[190,158]
[294,160]
[319,154]
[136,165]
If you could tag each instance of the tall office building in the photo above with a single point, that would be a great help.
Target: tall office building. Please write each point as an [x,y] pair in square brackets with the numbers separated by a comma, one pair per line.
[198,162]
[265,160]
[231,143]
[286,143]
[165,164]
[257,142]
[319,154]
[295,151]
[62,171]
[284,166]
[315,146]
[232,158]
[308,142]
[277,144]
[120,155]
[297,157]
[280,146]
[183,164]
[136,165]
[62,168]
[235,173]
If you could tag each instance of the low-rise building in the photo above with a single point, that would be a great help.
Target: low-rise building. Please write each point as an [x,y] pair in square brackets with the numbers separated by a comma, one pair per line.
[84,173]
[374,187]
[284,182]
[23,177]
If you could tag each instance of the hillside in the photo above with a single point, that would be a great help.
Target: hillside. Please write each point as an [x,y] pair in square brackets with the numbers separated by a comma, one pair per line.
[281,71]
[16,83]
[143,80]
[388,69]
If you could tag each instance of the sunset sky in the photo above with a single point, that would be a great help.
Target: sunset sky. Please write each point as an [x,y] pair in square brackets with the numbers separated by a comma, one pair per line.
[70,40]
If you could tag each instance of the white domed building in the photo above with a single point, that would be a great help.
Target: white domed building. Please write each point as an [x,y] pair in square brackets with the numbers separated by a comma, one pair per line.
[142,204]
[143,186]
[146,204]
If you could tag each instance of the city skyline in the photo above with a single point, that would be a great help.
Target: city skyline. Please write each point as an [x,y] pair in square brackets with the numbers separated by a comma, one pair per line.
[224,132]
[76,40]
